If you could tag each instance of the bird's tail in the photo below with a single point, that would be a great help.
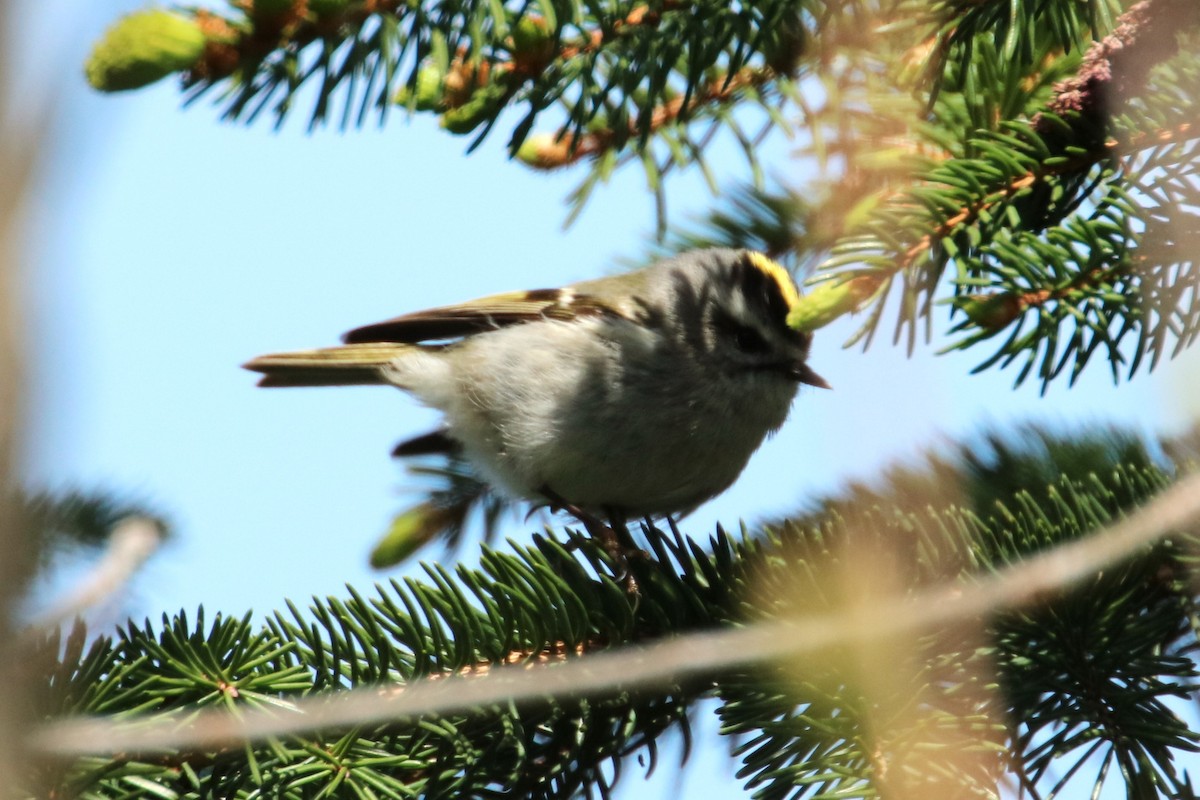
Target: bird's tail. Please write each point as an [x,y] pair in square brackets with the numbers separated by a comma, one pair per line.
[348,365]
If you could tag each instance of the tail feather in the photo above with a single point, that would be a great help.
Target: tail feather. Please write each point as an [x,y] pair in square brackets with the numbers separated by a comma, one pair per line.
[348,365]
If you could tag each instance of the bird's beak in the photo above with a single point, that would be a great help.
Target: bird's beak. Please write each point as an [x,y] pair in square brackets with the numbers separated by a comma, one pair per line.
[804,374]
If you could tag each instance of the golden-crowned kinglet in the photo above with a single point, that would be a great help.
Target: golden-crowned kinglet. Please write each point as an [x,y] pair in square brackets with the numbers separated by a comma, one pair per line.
[642,394]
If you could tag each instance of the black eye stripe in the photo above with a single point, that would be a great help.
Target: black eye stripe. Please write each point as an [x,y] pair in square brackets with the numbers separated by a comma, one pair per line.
[749,340]
[761,291]
[744,337]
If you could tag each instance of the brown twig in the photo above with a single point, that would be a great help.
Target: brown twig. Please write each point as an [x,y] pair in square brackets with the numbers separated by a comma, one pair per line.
[996,310]
[228,46]
[295,27]
[553,653]
[1116,65]
[553,152]
[641,16]
[1110,148]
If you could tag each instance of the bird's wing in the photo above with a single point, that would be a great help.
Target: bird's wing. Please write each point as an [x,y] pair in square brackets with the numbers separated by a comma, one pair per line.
[487,313]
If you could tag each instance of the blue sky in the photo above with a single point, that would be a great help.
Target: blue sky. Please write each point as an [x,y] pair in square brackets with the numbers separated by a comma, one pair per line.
[165,248]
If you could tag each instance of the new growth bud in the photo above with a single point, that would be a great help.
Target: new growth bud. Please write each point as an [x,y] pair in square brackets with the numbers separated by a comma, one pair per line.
[532,44]
[545,151]
[829,300]
[428,94]
[483,104]
[143,47]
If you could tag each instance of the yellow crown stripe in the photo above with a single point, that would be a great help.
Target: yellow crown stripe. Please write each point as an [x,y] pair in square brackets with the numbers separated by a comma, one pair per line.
[778,274]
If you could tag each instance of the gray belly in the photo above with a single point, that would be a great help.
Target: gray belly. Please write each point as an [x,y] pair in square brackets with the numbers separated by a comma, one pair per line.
[605,429]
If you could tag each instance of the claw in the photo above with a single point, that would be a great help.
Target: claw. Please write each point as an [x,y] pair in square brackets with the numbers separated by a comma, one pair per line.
[613,537]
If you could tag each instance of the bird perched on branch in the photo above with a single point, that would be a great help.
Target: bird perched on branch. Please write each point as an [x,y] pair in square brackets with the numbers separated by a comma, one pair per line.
[638,395]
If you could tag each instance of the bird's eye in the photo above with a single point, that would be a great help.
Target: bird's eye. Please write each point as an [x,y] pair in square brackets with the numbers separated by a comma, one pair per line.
[744,337]
[749,340]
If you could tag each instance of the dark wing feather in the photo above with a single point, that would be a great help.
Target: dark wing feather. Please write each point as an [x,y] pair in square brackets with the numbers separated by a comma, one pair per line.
[432,443]
[488,313]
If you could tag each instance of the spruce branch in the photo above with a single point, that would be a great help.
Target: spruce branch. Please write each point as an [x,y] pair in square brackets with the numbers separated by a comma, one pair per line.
[817,723]
[1066,235]
[959,25]
[77,516]
[551,152]
[611,83]
[1049,174]
[620,73]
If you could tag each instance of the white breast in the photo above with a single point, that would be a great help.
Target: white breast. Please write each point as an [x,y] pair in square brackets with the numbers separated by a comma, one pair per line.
[599,412]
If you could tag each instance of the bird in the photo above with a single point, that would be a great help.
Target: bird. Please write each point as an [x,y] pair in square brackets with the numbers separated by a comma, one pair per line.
[638,395]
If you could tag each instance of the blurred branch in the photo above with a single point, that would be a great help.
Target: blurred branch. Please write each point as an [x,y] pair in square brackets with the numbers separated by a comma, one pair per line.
[26,122]
[23,124]
[131,543]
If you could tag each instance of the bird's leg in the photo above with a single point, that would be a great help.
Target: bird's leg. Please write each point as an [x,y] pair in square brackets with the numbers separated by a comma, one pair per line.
[621,532]
[621,548]
[614,538]
[595,528]
[604,534]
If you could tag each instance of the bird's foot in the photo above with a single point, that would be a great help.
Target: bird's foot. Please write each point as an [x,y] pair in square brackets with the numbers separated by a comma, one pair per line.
[613,536]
